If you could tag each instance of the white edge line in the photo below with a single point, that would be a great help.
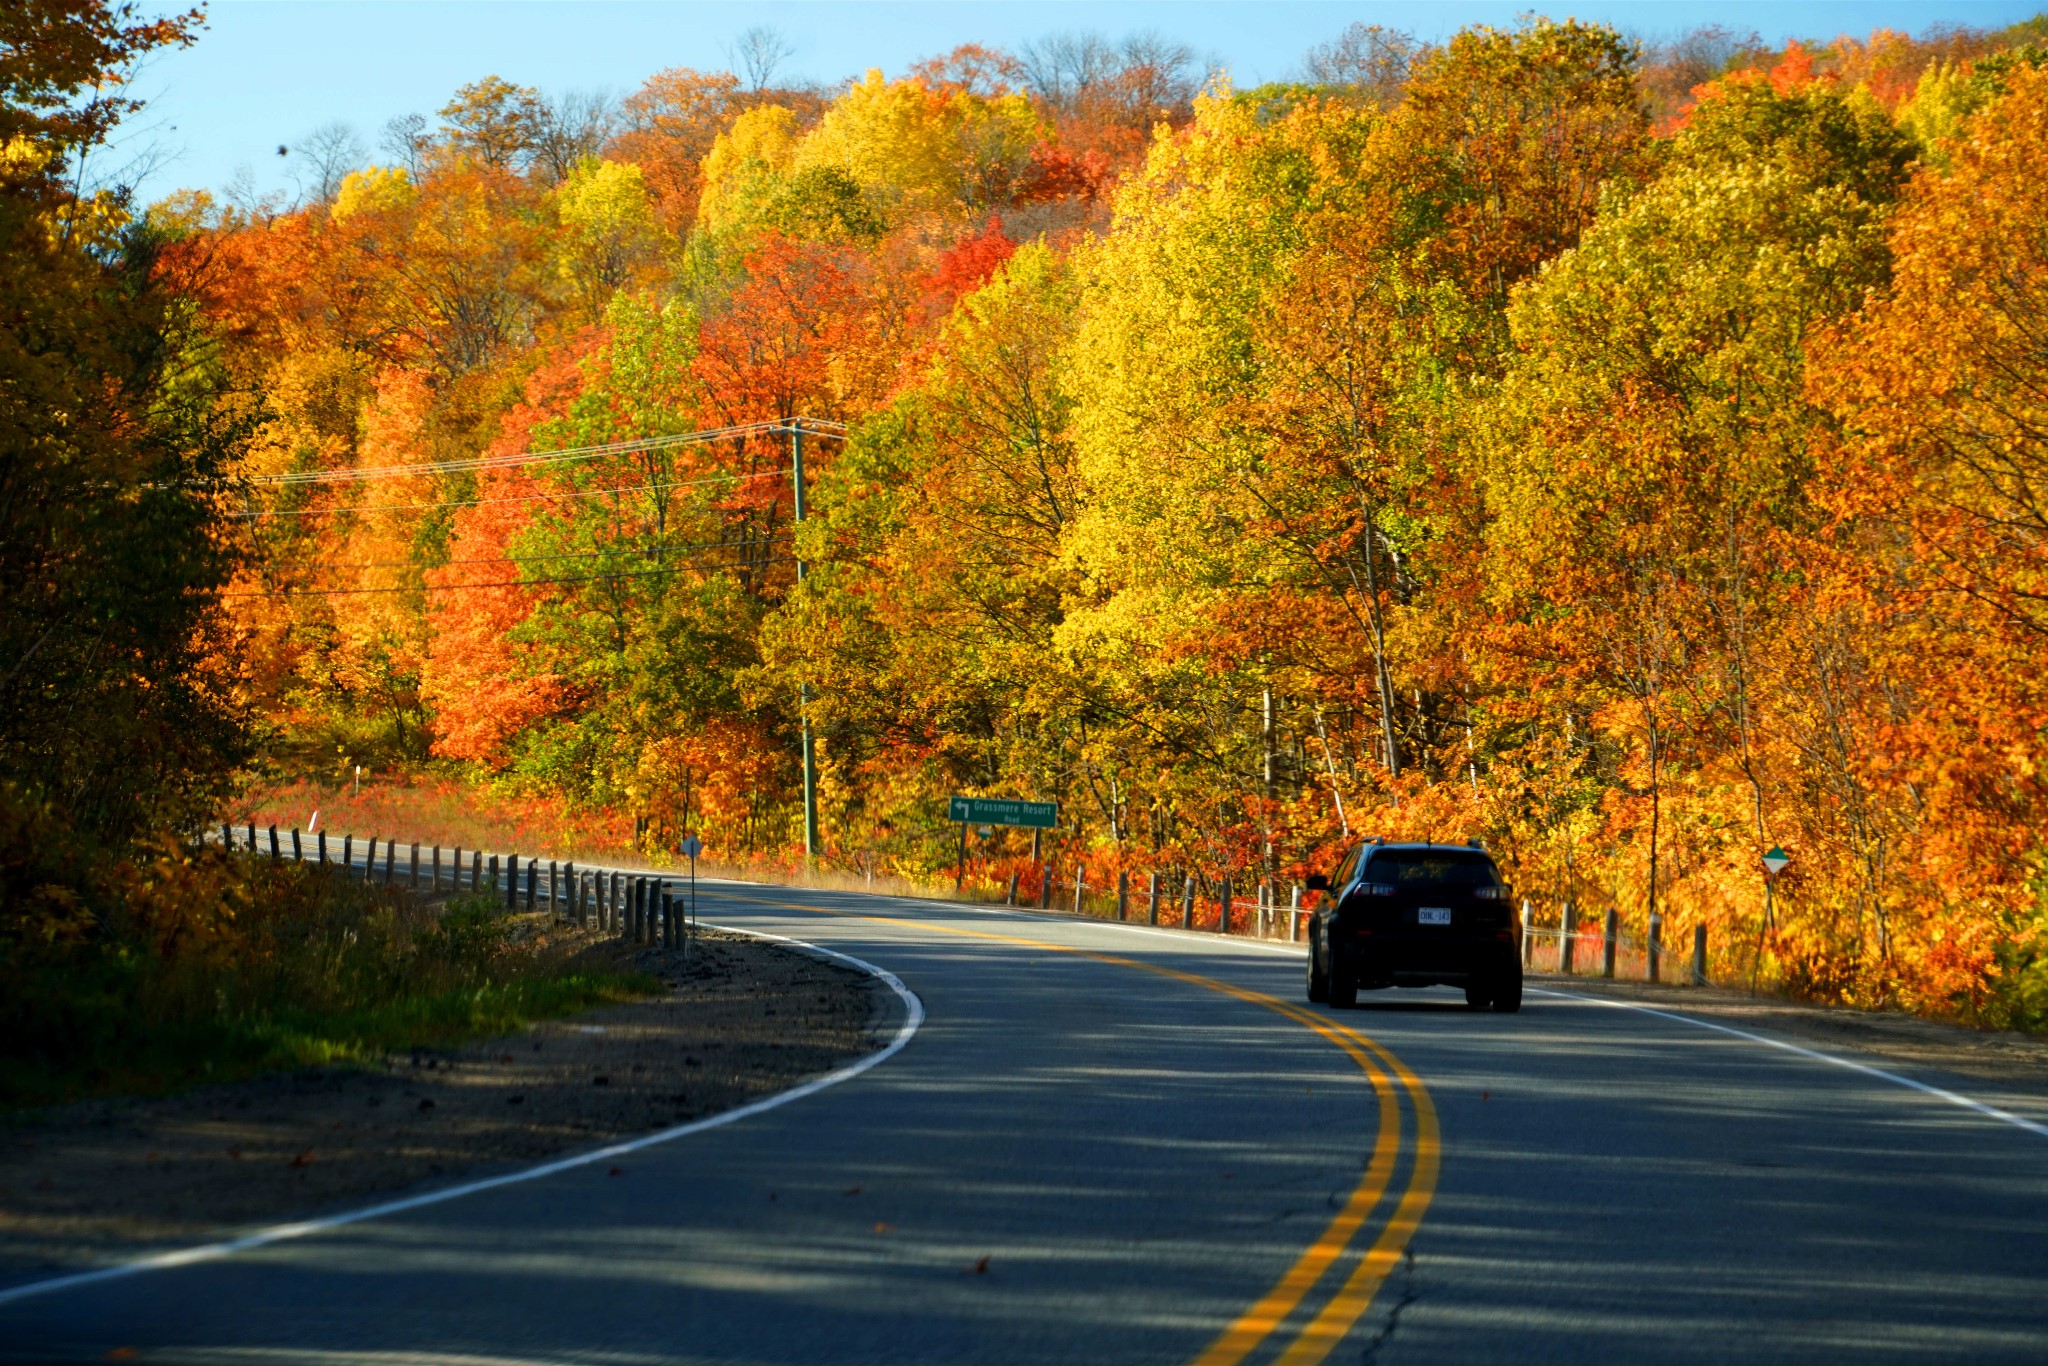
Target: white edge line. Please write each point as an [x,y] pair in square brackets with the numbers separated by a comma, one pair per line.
[164,1261]
[1989,1111]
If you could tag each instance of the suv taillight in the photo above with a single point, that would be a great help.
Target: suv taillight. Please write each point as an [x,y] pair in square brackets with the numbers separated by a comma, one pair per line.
[1489,894]
[1377,889]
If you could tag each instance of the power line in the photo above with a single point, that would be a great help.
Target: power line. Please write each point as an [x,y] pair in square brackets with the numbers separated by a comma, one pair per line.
[503,583]
[522,498]
[642,551]
[825,427]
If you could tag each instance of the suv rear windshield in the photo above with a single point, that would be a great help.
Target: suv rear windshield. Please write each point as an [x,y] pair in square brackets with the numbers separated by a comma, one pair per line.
[1432,865]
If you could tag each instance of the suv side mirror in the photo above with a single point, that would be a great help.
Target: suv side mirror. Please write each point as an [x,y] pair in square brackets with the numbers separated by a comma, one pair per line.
[1318,883]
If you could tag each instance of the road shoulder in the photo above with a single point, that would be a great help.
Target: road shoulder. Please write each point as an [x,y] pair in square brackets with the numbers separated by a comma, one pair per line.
[2013,1062]
[98,1181]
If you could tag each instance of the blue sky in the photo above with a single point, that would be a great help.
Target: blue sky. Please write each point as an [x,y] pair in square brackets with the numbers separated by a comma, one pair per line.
[269,71]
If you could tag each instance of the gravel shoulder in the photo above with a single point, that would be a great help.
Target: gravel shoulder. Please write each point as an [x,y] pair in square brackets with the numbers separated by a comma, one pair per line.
[2012,1062]
[97,1181]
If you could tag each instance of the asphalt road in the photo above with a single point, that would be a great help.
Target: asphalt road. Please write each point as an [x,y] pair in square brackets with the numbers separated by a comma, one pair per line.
[1123,1145]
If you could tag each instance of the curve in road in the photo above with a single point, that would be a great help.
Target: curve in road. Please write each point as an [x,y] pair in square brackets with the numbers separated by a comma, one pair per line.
[1106,1142]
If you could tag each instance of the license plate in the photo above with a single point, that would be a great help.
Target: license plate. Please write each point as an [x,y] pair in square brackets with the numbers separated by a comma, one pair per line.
[1432,915]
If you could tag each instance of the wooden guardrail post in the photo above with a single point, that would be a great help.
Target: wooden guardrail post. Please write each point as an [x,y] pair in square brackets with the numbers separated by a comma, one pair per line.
[476,869]
[1699,955]
[227,838]
[1223,909]
[532,880]
[1187,901]
[1045,887]
[348,857]
[322,838]
[1294,914]
[1080,882]
[1011,899]
[1566,925]
[1527,948]
[273,840]
[298,850]
[1152,899]
[1610,933]
[1656,944]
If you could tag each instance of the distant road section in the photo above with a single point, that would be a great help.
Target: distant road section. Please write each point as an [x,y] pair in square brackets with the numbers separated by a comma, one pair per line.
[1127,1145]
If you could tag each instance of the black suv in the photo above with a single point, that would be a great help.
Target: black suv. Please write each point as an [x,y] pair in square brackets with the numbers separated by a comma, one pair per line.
[1414,915]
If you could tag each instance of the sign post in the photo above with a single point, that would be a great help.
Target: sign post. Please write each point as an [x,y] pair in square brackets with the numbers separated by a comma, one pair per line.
[966,811]
[691,847]
[1775,859]
[1774,864]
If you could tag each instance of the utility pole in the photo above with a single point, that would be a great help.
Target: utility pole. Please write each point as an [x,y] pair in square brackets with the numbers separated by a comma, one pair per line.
[1270,776]
[811,841]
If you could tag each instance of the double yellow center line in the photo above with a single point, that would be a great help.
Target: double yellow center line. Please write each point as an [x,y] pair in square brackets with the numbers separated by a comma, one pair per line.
[1314,1340]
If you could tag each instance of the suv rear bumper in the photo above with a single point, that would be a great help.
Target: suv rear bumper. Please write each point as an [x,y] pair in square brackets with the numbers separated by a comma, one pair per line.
[1388,958]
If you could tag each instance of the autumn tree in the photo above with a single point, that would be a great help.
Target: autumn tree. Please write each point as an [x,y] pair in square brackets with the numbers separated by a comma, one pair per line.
[1650,458]
[1939,383]
[112,443]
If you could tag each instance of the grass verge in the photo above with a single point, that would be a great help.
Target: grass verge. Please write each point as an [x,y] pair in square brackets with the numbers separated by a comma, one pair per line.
[222,966]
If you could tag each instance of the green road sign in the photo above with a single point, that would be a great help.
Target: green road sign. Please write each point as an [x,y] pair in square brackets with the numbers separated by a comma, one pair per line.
[1775,861]
[992,811]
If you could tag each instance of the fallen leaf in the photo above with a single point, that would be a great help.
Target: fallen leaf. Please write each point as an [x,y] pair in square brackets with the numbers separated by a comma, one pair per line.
[618,1171]
[1486,1095]
[981,1267]
[851,1190]
[121,1354]
[304,1159]
[885,1228]
[235,1153]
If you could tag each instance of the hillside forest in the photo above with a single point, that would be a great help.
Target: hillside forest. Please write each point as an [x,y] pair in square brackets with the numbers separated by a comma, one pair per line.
[1630,454]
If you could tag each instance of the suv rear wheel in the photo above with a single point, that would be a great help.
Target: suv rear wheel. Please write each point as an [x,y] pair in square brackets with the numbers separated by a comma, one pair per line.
[1318,980]
[1478,994]
[1343,988]
[1507,994]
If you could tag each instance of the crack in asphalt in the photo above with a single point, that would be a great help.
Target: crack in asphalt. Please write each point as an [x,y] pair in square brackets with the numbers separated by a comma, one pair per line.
[1409,1294]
